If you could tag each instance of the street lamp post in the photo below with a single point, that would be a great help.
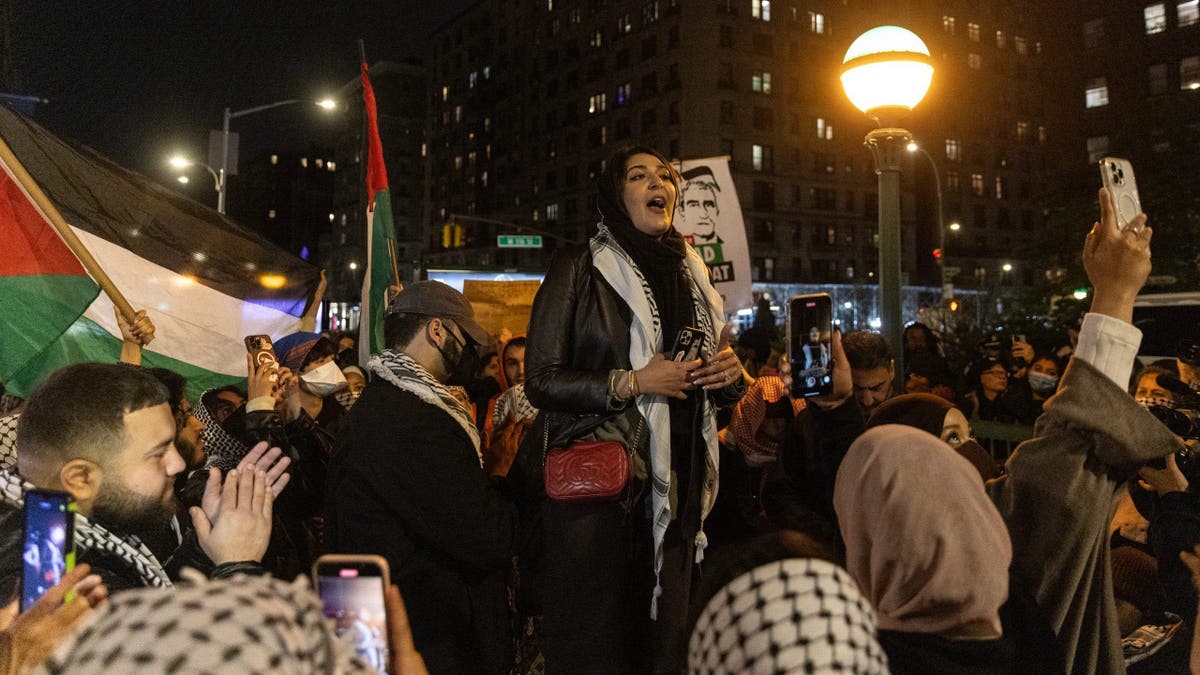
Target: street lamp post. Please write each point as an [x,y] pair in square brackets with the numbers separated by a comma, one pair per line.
[223,170]
[886,72]
[181,162]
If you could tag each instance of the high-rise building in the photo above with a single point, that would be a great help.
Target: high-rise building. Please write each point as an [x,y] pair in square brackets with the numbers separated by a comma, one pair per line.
[527,99]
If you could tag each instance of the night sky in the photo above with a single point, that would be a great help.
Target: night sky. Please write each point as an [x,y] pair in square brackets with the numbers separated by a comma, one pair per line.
[137,80]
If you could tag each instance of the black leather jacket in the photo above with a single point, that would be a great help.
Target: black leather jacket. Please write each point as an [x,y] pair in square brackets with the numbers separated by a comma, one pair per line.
[580,331]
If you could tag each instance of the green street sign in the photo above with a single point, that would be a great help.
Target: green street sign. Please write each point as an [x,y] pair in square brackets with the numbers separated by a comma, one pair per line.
[519,241]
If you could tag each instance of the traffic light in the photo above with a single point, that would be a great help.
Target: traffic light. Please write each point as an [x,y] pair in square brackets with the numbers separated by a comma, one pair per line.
[447,235]
[953,306]
[937,254]
[459,236]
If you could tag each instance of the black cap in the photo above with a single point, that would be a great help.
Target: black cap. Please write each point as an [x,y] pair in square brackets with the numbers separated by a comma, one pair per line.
[436,299]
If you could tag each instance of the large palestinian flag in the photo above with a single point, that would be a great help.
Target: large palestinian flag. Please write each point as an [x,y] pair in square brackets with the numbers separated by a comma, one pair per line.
[204,281]
[380,232]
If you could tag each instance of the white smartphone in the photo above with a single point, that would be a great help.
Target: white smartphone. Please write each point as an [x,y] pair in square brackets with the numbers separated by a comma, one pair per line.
[351,588]
[1117,176]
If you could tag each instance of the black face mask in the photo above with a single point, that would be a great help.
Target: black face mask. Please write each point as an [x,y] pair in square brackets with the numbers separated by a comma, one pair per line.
[461,361]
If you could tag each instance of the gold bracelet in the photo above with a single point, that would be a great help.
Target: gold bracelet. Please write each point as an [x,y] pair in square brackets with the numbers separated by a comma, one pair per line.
[634,388]
[612,385]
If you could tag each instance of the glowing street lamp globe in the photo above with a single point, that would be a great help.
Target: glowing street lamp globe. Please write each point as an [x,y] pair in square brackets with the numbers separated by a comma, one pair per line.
[887,67]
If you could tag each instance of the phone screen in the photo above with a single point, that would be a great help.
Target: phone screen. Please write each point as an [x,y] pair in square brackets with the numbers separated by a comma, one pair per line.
[352,595]
[48,549]
[810,330]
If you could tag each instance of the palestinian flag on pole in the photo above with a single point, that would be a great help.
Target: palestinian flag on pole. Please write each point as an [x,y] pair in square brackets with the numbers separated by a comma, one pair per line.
[204,281]
[381,234]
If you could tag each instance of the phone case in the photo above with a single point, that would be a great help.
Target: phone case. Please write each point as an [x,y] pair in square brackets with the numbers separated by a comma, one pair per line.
[799,387]
[688,344]
[263,351]
[1117,176]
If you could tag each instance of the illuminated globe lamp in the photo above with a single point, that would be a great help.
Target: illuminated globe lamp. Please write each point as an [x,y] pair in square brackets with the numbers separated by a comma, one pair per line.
[886,72]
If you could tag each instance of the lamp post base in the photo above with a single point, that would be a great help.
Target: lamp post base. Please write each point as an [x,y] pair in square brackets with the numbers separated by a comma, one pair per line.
[888,145]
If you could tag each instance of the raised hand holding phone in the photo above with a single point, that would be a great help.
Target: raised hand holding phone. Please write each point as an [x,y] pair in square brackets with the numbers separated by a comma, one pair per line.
[1117,176]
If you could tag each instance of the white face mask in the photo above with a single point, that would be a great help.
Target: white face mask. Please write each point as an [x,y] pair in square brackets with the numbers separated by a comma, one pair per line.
[324,380]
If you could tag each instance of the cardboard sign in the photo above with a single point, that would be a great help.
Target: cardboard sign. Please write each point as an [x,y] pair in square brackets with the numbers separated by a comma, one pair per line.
[502,304]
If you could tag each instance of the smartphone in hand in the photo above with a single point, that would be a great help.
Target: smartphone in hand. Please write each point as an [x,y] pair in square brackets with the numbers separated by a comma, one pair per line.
[689,345]
[263,351]
[352,588]
[1117,176]
[809,339]
[48,545]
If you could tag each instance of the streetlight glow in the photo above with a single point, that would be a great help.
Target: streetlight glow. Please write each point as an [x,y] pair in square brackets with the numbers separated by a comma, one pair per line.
[327,103]
[182,179]
[179,162]
[955,227]
[1007,267]
[353,266]
[912,147]
[887,67]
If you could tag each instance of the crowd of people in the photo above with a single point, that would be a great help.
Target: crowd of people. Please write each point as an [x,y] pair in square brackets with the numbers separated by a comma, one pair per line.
[570,497]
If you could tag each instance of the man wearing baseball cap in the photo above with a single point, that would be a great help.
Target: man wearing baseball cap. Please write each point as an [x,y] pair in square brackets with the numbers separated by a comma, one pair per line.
[406,483]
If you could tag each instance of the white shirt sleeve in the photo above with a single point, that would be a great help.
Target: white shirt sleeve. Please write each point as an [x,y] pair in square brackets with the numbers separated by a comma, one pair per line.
[1110,345]
[262,403]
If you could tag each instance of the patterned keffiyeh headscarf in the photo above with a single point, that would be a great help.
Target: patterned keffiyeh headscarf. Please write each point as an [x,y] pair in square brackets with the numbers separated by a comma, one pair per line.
[401,371]
[8,442]
[238,625]
[512,403]
[800,615]
[224,451]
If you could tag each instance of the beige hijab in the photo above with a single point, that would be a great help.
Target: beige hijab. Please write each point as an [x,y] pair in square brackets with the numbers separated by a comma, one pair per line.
[923,541]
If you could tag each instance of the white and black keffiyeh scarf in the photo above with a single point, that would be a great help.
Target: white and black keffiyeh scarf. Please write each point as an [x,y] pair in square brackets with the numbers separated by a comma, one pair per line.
[404,373]
[238,625]
[791,616]
[224,451]
[512,403]
[646,340]
[8,442]
[90,536]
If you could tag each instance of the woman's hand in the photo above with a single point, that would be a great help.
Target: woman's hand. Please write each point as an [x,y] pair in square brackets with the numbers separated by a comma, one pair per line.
[722,368]
[666,378]
[843,384]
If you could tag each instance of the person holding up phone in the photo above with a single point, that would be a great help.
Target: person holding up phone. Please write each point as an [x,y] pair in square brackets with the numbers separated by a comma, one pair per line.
[616,575]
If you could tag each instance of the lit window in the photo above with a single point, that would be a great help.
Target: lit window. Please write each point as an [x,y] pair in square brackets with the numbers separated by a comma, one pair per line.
[1022,130]
[457,162]
[952,184]
[274,159]
[622,94]
[824,130]
[487,72]
[1001,187]
[650,12]
[973,32]
[319,162]
[975,61]
[953,150]
[552,212]
[948,24]
[304,162]
[331,166]
[576,15]
[762,158]
[1096,92]
[760,9]
[1188,12]
[445,93]
[271,213]
[1156,18]
[816,22]
[472,78]
[1156,76]
[1189,73]
[977,184]
[597,38]
[549,5]
[1001,40]
[1097,148]
[1093,33]
[1020,45]
[624,24]
[1041,134]
[760,81]
[458,113]
[597,103]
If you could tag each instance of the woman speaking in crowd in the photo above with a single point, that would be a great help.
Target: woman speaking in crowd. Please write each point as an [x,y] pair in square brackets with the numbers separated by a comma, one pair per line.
[616,572]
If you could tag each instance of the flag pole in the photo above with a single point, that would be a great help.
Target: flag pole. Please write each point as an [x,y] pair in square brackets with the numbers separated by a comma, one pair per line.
[64,230]
[362,55]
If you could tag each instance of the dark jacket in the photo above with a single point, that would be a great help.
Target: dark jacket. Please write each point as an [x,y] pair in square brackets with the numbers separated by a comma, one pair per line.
[405,483]
[117,573]
[799,494]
